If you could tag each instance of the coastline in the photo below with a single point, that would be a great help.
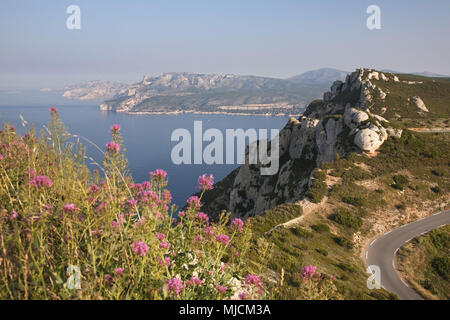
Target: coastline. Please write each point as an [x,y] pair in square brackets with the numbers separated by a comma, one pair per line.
[175,113]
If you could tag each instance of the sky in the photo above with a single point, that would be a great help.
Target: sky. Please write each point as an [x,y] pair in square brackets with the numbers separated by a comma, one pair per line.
[123,40]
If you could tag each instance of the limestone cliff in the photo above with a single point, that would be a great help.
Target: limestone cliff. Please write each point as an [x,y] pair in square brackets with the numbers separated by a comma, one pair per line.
[340,123]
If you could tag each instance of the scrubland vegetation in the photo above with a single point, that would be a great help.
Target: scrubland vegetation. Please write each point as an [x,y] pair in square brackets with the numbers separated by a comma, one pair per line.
[70,232]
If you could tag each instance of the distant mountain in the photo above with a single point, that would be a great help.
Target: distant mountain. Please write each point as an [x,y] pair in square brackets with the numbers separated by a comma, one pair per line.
[430,74]
[178,92]
[96,90]
[320,76]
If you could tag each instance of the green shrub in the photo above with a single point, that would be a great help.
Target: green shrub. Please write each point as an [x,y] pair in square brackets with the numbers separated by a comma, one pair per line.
[344,242]
[320,227]
[354,200]
[322,251]
[442,267]
[318,187]
[400,182]
[301,232]
[348,219]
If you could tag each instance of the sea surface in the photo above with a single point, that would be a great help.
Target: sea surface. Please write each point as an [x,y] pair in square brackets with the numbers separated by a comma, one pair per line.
[147,138]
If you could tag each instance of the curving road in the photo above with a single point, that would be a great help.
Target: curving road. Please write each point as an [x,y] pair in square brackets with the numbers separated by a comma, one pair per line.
[381,252]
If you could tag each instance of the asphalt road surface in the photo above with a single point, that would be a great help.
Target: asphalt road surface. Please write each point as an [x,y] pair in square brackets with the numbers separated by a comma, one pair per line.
[381,252]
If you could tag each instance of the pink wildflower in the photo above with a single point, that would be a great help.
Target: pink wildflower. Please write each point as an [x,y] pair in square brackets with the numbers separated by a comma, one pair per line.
[41,181]
[13,215]
[165,261]
[94,189]
[194,281]
[175,285]
[119,271]
[223,238]
[69,208]
[198,238]
[158,174]
[140,248]
[107,278]
[221,289]
[243,296]
[112,147]
[194,202]
[181,214]
[203,217]
[237,224]
[164,245]
[115,128]
[205,182]
[209,231]
[53,110]
[253,279]
[308,271]
[160,236]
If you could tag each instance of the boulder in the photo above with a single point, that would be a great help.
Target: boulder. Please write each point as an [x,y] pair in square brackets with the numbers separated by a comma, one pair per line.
[353,117]
[368,140]
[420,104]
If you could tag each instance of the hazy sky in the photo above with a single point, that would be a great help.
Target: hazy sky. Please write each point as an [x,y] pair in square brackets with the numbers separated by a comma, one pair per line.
[123,40]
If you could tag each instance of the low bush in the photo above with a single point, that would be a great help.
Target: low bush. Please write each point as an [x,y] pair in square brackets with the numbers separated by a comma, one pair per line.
[318,188]
[441,266]
[348,219]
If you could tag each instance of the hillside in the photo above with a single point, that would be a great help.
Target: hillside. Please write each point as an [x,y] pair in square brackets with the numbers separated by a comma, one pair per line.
[211,93]
[324,76]
[350,170]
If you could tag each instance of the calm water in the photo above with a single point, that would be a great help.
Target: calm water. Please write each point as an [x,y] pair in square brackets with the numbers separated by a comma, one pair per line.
[146,138]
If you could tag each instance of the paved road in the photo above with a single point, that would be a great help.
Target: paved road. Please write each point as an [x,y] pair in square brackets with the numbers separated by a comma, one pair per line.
[381,252]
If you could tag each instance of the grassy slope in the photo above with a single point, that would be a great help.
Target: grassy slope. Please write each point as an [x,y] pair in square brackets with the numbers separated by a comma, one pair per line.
[417,261]
[329,242]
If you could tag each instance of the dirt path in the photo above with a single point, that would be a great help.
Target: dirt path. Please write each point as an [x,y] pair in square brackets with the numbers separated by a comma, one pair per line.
[308,208]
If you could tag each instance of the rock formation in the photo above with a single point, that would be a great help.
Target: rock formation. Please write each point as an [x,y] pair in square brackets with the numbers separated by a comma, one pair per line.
[340,123]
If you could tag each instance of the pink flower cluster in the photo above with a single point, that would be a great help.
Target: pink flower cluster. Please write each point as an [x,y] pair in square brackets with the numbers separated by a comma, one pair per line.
[194,281]
[253,279]
[194,202]
[69,208]
[158,174]
[112,147]
[115,128]
[140,248]
[237,224]
[309,271]
[221,289]
[223,238]
[175,285]
[119,271]
[41,181]
[203,217]
[205,182]
[53,110]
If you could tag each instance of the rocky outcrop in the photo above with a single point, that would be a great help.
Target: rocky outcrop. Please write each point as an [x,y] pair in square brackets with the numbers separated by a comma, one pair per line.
[420,104]
[340,123]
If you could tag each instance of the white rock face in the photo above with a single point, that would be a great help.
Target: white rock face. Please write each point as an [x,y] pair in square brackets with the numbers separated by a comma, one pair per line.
[326,140]
[353,117]
[420,104]
[368,140]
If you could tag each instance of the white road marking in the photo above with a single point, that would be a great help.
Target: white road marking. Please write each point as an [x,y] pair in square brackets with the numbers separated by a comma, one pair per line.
[367,254]
[396,251]
[372,242]
[404,282]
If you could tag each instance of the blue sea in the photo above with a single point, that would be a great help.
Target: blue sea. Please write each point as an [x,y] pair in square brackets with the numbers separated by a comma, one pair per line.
[147,138]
